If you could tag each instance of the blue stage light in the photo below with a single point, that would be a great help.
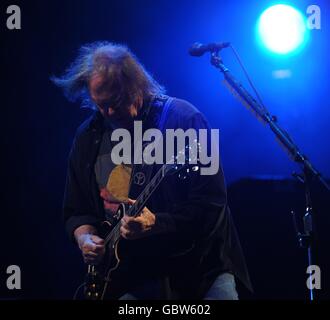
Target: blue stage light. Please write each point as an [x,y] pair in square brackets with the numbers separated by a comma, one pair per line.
[282,29]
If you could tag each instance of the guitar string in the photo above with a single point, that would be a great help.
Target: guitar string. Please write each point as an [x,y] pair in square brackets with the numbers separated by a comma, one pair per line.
[160,173]
[116,228]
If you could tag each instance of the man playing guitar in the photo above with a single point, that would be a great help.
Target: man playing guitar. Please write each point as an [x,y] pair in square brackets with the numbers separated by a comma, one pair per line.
[182,243]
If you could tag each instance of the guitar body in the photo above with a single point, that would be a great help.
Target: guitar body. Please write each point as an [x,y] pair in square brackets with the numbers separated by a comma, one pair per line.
[113,277]
[99,279]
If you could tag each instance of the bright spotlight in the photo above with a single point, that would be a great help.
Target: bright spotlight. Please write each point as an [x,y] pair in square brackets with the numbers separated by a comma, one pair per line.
[282,29]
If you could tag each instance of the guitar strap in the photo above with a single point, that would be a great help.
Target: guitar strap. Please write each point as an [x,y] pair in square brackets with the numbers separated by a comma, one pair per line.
[141,173]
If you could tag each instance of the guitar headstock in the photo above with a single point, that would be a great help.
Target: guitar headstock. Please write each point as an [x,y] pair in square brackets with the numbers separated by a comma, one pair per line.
[185,161]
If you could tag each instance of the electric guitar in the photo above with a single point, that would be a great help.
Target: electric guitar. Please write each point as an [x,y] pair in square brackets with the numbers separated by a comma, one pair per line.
[101,280]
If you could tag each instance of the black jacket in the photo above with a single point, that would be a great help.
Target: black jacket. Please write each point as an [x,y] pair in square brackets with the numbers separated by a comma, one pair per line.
[192,210]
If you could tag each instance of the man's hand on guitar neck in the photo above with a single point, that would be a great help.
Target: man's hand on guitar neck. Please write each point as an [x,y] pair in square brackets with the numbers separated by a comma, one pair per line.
[138,227]
[91,245]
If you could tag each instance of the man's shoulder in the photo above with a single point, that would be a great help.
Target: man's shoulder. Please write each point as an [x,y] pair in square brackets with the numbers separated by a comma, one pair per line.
[183,108]
[87,129]
[183,114]
[91,124]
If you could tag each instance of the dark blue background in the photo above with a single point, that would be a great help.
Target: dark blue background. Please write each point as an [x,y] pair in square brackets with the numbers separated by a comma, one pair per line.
[38,124]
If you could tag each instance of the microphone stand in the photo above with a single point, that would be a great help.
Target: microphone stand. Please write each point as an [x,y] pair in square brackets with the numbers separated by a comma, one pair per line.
[309,174]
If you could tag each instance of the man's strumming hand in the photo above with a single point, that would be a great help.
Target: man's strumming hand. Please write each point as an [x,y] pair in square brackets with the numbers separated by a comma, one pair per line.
[91,245]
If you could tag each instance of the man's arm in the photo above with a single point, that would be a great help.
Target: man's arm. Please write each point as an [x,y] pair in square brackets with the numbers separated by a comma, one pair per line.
[80,222]
[77,208]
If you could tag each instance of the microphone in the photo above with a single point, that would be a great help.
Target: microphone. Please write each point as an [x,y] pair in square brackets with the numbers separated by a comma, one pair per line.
[198,49]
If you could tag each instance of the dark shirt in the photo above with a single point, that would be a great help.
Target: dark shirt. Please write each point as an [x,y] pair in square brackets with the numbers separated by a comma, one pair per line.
[191,212]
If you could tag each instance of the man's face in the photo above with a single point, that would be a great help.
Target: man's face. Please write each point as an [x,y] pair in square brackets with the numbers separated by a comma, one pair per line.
[99,92]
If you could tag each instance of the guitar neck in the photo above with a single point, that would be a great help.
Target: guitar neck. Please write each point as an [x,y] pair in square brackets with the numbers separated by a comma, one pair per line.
[140,202]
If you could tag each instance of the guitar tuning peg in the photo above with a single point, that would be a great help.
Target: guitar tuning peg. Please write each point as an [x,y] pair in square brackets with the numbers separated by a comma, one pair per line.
[182,176]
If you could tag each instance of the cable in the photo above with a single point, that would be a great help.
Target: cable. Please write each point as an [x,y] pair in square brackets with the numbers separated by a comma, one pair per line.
[77,290]
[248,77]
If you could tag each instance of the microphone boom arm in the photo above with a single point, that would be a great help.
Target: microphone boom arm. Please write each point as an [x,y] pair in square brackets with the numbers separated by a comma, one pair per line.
[306,238]
[262,114]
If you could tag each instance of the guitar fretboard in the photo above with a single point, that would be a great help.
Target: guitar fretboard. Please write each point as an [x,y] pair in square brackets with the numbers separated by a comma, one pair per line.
[140,202]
